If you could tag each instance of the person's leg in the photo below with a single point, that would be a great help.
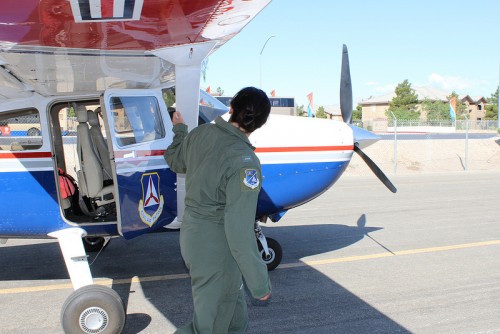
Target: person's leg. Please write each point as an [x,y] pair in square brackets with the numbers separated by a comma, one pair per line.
[215,277]
[239,322]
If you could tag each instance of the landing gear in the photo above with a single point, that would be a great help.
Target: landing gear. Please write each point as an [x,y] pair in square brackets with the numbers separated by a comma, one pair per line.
[94,244]
[93,309]
[90,308]
[274,255]
[270,250]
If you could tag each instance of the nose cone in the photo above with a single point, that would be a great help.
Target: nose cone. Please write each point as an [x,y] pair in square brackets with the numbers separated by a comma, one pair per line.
[363,137]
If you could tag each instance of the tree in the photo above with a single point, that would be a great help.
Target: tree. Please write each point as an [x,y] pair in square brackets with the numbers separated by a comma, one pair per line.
[169,96]
[300,110]
[440,110]
[320,113]
[436,110]
[204,68]
[220,91]
[404,104]
[461,107]
[492,106]
[357,114]
[71,112]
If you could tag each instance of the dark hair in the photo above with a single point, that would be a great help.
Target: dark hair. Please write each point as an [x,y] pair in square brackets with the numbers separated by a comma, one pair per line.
[251,107]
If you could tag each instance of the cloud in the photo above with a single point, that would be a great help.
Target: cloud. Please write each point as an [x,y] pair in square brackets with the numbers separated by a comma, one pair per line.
[388,88]
[449,83]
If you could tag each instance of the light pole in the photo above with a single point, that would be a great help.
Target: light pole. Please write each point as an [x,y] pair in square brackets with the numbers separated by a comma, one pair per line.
[260,60]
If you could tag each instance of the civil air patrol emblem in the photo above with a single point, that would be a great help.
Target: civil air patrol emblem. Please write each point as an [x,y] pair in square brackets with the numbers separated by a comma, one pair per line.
[251,178]
[151,204]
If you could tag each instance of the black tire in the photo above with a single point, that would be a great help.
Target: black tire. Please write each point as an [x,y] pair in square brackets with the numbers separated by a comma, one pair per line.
[93,244]
[33,132]
[93,309]
[275,253]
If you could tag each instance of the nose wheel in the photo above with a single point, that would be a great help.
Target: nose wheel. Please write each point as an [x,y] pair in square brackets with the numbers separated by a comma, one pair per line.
[269,249]
[272,258]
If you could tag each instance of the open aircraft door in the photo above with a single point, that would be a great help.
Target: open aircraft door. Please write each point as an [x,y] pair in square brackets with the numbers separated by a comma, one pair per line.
[139,129]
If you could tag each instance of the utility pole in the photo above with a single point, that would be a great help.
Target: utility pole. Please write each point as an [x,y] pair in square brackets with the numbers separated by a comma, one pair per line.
[260,60]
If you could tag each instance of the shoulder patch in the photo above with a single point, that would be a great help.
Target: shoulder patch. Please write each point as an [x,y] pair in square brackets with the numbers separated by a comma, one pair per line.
[250,178]
[246,158]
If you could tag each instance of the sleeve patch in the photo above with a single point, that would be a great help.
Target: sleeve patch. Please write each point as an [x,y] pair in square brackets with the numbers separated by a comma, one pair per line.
[250,179]
[246,158]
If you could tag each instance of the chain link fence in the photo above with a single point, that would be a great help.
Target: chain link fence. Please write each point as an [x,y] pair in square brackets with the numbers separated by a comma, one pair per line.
[387,125]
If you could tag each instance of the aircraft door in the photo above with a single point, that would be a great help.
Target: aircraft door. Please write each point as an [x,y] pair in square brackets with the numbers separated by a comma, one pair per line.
[140,130]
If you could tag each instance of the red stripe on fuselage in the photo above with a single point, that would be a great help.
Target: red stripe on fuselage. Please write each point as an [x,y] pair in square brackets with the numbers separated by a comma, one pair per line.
[304,149]
[147,153]
[140,153]
[25,155]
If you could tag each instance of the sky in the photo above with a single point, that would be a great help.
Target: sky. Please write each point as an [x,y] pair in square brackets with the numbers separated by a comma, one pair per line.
[449,45]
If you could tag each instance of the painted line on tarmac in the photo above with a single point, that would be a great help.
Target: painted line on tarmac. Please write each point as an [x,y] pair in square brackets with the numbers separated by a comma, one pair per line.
[387,254]
[105,282]
[110,282]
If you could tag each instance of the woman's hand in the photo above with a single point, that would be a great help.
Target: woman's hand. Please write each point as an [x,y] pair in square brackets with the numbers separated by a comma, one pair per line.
[266,297]
[177,118]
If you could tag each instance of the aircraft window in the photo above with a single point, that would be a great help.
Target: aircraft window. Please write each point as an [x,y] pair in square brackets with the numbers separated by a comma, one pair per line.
[136,119]
[225,100]
[209,106]
[20,130]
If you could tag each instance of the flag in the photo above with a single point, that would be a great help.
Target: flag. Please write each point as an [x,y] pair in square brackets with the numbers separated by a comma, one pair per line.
[208,90]
[453,107]
[310,106]
[273,93]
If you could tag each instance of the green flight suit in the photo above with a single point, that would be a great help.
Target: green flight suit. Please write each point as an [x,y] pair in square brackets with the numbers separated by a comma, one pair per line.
[218,245]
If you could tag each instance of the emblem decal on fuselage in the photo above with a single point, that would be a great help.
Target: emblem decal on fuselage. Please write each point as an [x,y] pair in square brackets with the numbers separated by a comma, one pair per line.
[151,204]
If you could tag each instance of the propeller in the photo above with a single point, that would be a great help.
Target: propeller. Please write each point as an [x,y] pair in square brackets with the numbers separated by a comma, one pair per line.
[345,88]
[346,110]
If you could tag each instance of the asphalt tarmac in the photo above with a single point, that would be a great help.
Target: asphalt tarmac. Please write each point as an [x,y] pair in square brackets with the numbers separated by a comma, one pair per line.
[358,259]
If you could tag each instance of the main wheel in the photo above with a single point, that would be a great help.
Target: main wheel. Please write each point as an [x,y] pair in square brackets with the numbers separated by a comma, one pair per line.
[33,132]
[93,244]
[93,309]
[275,253]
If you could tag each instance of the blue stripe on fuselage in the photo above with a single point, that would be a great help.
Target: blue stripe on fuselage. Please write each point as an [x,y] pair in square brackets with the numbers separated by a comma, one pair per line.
[286,186]
[29,204]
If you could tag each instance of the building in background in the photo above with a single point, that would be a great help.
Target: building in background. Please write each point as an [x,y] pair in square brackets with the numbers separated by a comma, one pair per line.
[374,108]
[279,105]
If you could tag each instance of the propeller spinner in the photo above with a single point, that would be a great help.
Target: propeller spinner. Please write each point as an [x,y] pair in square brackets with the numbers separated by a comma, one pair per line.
[346,110]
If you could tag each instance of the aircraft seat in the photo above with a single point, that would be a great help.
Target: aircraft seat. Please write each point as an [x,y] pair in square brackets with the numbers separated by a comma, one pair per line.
[101,147]
[90,175]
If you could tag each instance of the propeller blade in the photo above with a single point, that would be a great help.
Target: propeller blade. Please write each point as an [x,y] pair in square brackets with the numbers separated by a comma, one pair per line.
[377,171]
[345,88]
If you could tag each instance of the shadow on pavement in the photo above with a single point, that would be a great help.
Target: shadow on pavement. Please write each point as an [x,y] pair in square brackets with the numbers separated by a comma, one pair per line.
[304,300]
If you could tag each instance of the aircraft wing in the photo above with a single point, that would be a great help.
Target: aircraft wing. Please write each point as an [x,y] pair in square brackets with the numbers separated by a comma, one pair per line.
[58,47]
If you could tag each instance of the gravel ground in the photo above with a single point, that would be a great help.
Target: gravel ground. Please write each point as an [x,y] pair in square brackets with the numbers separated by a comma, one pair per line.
[430,156]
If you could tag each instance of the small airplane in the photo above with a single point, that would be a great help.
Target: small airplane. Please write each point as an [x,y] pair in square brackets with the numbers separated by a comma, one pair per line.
[121,67]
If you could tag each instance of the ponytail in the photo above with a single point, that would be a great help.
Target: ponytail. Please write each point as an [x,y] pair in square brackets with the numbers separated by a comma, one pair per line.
[251,108]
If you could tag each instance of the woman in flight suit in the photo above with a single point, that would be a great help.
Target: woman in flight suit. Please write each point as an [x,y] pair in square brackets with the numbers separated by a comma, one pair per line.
[218,245]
